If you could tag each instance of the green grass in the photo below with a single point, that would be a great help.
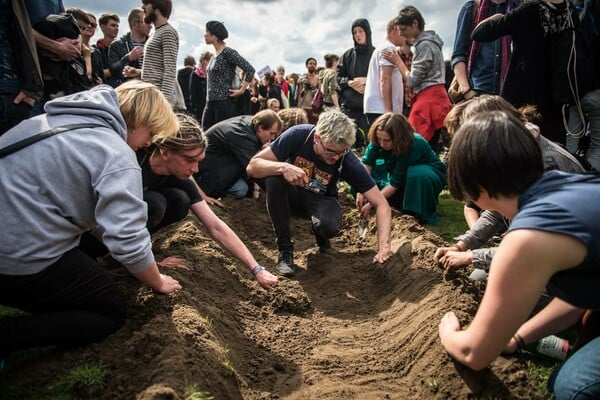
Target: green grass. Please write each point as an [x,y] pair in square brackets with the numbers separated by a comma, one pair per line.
[453,221]
[192,393]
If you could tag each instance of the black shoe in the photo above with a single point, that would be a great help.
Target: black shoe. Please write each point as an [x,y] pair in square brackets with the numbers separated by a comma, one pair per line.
[323,243]
[285,263]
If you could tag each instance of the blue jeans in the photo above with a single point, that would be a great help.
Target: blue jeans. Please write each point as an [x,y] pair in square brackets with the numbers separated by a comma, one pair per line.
[578,378]
[239,189]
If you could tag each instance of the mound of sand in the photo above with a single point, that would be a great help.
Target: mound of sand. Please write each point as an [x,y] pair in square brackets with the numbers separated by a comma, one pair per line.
[342,328]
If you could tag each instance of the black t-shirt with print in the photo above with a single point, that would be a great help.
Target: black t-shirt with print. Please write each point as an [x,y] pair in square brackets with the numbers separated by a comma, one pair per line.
[296,147]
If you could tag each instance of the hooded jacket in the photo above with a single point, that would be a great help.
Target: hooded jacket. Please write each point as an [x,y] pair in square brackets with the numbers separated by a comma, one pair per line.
[354,63]
[428,66]
[54,190]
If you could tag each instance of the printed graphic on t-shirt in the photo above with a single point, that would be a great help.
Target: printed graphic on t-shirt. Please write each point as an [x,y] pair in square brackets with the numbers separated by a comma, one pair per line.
[318,179]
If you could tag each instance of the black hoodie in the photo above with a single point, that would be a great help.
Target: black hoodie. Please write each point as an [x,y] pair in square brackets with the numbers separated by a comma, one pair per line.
[354,63]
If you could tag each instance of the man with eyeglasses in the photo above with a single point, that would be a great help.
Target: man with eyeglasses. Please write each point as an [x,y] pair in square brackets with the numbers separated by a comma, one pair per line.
[128,51]
[301,169]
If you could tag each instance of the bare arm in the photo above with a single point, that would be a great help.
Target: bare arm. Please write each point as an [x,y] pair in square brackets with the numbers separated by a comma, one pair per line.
[157,281]
[62,49]
[383,218]
[557,316]
[523,264]
[264,164]
[228,239]
[385,85]
[460,72]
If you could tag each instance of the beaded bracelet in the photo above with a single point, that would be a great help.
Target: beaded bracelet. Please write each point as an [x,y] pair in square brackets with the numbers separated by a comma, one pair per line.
[257,269]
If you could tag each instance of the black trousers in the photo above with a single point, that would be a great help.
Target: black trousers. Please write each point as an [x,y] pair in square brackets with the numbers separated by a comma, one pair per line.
[283,200]
[217,111]
[73,302]
[166,206]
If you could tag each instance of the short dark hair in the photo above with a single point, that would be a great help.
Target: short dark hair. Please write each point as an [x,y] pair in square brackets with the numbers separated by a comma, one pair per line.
[164,6]
[310,59]
[189,61]
[397,126]
[330,59]
[104,18]
[493,151]
[269,77]
[408,14]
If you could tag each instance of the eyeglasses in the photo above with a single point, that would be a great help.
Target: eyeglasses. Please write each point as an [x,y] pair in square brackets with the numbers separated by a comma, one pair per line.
[333,153]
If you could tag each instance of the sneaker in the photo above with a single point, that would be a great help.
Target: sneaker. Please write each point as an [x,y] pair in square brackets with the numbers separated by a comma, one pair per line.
[285,263]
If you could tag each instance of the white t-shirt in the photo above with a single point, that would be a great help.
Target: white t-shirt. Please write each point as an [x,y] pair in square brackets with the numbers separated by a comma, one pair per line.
[373,100]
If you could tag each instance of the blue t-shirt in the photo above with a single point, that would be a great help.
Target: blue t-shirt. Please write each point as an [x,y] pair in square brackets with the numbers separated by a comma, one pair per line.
[296,146]
[567,204]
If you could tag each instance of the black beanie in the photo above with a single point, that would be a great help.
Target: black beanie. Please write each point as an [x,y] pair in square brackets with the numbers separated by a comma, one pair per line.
[218,29]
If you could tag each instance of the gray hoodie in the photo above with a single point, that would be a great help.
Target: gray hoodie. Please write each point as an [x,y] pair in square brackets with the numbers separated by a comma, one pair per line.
[56,189]
[428,67]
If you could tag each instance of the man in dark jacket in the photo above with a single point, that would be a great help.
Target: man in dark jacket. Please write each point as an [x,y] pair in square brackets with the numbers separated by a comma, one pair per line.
[231,145]
[129,49]
[352,76]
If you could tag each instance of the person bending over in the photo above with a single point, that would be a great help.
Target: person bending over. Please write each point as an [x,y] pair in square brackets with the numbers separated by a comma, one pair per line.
[57,188]
[301,170]
[468,249]
[553,242]
[170,191]
[413,175]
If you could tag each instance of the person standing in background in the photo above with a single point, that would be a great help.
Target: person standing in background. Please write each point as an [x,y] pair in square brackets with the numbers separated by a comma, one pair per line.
[128,51]
[221,97]
[160,52]
[352,77]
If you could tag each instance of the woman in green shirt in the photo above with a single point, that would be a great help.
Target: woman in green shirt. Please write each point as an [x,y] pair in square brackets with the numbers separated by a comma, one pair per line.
[407,171]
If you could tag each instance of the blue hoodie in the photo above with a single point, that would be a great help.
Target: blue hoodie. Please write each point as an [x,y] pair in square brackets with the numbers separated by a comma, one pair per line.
[56,189]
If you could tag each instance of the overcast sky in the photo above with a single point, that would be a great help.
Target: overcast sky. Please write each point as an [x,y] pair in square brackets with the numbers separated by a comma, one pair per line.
[286,32]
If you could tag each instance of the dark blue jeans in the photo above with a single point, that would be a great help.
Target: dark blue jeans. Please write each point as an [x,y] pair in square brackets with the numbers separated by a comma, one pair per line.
[73,302]
[283,200]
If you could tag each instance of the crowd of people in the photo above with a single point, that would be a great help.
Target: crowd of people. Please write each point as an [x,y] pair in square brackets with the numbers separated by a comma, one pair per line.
[131,145]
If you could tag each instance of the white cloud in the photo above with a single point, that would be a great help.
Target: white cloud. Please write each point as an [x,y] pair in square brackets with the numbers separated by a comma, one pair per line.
[273,32]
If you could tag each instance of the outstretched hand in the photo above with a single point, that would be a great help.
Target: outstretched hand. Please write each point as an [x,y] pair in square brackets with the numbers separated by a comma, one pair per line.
[167,284]
[266,279]
[382,256]
[174,262]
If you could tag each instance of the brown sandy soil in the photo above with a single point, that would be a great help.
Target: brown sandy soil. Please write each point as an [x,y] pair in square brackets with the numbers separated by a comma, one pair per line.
[342,328]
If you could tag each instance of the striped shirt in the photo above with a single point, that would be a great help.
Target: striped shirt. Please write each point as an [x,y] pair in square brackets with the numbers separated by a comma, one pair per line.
[160,60]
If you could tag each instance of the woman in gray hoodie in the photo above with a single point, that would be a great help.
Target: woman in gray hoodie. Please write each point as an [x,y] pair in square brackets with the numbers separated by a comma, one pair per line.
[53,191]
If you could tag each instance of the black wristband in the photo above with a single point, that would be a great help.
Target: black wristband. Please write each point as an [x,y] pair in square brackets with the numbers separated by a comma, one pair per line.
[519,341]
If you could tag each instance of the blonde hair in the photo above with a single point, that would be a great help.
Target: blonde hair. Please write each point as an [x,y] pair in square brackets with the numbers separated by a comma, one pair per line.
[142,104]
[188,137]
[336,128]
[292,116]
